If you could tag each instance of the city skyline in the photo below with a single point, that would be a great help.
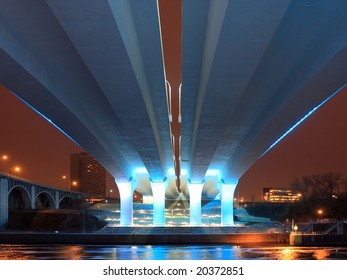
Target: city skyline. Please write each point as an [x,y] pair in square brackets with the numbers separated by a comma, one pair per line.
[43,152]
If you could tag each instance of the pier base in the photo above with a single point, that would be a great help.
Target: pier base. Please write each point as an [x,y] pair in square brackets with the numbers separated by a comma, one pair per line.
[295,239]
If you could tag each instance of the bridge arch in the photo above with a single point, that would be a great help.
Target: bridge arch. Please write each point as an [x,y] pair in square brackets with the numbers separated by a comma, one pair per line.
[66,202]
[19,198]
[44,200]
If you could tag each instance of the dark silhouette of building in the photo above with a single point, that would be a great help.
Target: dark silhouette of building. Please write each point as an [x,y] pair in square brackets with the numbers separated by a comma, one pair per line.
[87,175]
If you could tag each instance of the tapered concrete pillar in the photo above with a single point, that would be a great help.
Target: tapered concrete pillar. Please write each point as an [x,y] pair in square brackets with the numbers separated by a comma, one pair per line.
[56,200]
[33,197]
[227,203]
[3,202]
[195,191]
[158,192]
[126,191]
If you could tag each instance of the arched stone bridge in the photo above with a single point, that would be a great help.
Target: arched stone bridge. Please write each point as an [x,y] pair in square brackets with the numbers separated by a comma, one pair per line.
[20,194]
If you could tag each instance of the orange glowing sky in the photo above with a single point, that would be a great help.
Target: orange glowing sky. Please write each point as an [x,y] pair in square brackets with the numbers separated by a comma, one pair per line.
[318,145]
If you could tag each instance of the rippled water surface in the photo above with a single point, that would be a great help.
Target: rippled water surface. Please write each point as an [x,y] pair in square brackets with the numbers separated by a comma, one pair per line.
[158,252]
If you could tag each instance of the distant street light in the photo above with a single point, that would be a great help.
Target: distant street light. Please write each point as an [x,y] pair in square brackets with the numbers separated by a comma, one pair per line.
[6,158]
[295,228]
[15,169]
[320,213]
[74,184]
[65,179]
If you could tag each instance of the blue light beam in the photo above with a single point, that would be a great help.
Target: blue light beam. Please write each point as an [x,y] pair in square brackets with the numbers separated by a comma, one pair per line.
[46,118]
[302,120]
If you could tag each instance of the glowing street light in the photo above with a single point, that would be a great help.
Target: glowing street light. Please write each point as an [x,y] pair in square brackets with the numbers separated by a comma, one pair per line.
[5,158]
[74,184]
[295,228]
[65,179]
[320,213]
[16,169]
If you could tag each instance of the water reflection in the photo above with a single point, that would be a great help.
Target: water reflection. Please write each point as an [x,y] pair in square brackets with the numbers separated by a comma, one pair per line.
[287,254]
[72,252]
[157,252]
[322,254]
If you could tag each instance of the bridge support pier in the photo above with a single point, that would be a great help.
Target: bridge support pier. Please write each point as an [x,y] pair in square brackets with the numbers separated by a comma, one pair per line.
[227,203]
[126,191]
[3,202]
[195,191]
[158,191]
[56,200]
[33,197]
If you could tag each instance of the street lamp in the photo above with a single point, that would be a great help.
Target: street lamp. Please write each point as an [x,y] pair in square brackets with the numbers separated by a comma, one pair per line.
[16,168]
[320,213]
[66,182]
[295,228]
[6,158]
[74,185]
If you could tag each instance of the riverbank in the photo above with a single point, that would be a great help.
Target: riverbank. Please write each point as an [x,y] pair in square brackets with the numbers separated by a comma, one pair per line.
[322,233]
[316,239]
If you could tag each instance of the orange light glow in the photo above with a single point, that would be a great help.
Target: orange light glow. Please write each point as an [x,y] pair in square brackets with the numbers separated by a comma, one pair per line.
[17,169]
[4,157]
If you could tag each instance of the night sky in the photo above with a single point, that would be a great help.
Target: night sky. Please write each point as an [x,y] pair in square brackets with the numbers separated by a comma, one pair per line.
[317,146]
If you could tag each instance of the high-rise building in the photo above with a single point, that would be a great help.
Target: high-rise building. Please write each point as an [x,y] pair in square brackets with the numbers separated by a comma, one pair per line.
[87,175]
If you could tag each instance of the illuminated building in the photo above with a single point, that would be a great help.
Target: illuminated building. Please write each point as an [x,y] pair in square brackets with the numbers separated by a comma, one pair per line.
[280,195]
[87,175]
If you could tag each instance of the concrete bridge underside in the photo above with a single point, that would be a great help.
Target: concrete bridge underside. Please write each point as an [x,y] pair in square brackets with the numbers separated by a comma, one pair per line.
[104,73]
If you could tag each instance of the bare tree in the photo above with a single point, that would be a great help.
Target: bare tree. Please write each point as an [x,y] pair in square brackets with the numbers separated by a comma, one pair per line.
[301,187]
[319,186]
[324,186]
[326,191]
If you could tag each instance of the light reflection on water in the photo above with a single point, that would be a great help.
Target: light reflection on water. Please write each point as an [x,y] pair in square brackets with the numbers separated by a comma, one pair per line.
[161,252]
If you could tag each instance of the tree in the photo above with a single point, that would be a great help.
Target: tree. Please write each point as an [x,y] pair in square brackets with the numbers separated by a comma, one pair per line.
[318,186]
[301,187]
[326,185]
[320,191]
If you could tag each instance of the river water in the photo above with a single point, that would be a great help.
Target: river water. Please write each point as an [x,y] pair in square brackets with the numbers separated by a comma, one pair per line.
[162,252]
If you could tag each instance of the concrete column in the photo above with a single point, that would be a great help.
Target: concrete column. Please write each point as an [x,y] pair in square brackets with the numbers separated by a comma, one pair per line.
[158,192]
[3,202]
[227,203]
[56,199]
[33,197]
[126,191]
[195,191]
